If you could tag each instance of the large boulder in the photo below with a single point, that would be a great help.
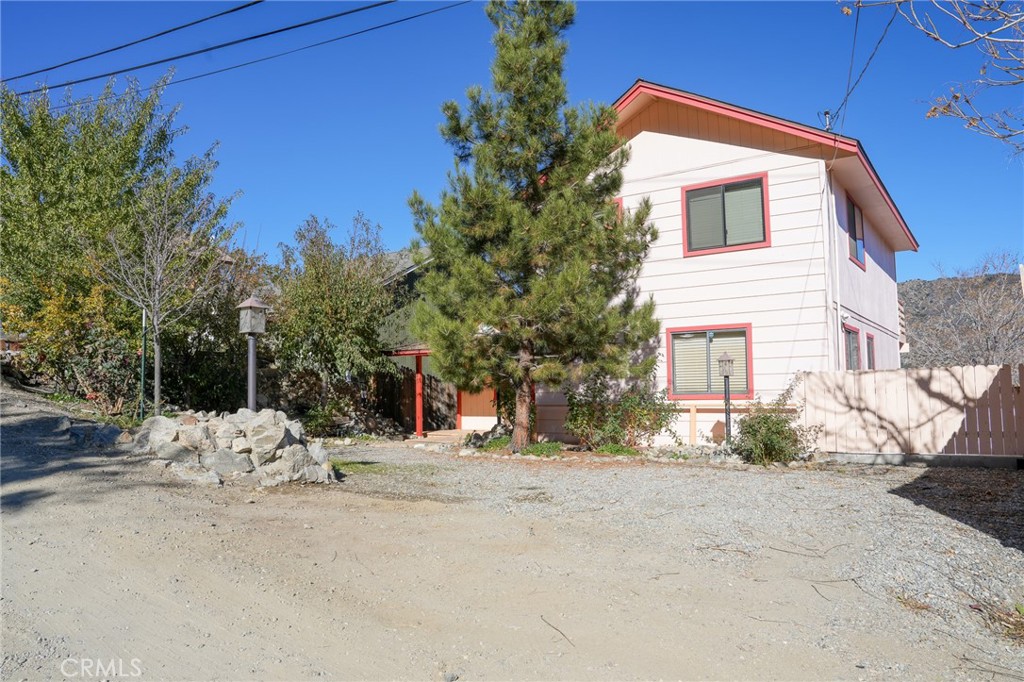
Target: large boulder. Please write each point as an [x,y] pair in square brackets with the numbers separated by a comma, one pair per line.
[225,433]
[266,438]
[175,452]
[296,430]
[226,462]
[197,437]
[240,418]
[318,452]
[195,473]
[161,430]
[290,463]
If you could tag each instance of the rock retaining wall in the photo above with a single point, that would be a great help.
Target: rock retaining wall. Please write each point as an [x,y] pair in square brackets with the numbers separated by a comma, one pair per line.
[266,448]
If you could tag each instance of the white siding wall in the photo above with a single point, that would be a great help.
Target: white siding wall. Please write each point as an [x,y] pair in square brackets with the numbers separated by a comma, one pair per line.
[794,308]
[868,296]
[780,291]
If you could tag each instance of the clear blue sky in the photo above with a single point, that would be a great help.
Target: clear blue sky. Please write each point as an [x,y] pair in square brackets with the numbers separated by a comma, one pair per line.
[352,126]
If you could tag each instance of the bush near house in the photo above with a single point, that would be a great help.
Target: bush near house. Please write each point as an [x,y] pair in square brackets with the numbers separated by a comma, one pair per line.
[771,432]
[603,413]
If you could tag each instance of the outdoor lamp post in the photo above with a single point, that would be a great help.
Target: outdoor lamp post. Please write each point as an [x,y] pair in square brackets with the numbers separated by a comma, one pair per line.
[725,370]
[252,321]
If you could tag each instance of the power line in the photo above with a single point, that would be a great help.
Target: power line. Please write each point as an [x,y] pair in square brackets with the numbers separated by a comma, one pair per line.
[851,88]
[134,42]
[212,47]
[840,112]
[322,42]
[298,49]
[849,72]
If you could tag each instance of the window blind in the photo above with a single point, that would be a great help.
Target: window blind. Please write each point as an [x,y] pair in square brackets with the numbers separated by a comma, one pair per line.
[695,362]
[705,218]
[735,344]
[689,363]
[744,214]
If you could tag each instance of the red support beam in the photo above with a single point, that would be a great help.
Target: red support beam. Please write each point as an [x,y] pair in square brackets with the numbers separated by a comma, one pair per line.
[458,409]
[419,396]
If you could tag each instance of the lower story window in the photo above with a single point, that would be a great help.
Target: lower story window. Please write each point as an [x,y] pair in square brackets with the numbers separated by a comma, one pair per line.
[871,350]
[693,361]
[852,337]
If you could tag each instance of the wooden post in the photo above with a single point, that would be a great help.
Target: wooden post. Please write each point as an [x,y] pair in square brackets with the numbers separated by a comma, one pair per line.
[693,424]
[419,396]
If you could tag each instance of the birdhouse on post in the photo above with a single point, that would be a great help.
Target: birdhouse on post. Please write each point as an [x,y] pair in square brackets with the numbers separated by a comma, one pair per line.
[252,320]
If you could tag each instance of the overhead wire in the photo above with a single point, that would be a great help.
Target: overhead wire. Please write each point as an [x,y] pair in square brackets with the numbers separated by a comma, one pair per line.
[212,48]
[322,42]
[134,42]
[298,49]
[860,76]
[851,85]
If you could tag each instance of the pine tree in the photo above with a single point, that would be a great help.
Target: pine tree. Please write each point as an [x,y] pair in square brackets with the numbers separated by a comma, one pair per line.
[532,268]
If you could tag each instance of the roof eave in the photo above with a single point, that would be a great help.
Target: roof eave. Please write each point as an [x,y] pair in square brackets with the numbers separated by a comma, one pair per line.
[642,88]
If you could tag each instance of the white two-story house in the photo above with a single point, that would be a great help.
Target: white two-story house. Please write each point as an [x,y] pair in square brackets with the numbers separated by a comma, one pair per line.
[776,243]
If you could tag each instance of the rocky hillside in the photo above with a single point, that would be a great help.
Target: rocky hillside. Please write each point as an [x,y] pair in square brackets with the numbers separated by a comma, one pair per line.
[964,320]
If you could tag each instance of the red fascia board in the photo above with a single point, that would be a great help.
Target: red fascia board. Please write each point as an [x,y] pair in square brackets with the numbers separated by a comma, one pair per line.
[846,144]
[711,396]
[732,111]
[870,168]
[414,352]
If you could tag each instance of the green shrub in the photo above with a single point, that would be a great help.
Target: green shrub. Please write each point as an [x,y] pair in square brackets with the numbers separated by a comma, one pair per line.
[106,370]
[499,443]
[617,450]
[771,433]
[603,413]
[545,449]
[321,420]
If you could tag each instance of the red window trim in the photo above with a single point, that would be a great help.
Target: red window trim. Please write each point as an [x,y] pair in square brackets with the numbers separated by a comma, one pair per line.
[855,330]
[747,327]
[869,344]
[618,203]
[853,256]
[687,253]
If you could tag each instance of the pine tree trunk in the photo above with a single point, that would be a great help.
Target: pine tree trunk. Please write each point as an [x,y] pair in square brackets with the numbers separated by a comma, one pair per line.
[156,374]
[524,407]
[524,401]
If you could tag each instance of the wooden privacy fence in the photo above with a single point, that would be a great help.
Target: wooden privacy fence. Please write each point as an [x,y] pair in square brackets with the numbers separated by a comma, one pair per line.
[927,411]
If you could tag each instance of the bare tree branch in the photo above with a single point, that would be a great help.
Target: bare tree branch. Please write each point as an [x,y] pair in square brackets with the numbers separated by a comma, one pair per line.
[171,258]
[973,317]
[996,28]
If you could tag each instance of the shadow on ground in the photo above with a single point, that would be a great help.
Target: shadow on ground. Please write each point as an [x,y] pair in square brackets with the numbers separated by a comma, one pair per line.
[35,448]
[989,500]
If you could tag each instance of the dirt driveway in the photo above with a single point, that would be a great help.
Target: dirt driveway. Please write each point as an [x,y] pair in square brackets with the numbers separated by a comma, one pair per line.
[422,565]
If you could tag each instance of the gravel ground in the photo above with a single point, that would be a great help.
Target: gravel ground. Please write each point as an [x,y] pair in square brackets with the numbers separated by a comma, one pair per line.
[422,564]
[944,543]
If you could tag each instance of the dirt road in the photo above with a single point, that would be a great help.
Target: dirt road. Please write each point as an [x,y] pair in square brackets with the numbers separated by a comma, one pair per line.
[431,567]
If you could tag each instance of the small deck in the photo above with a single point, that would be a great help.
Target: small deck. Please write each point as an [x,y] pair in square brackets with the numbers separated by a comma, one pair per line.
[441,436]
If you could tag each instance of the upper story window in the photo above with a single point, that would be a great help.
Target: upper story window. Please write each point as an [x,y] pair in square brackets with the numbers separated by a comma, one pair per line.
[726,215]
[855,230]
[693,370]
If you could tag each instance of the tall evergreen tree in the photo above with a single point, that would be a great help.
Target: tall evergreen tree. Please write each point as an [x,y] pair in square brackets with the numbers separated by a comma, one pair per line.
[533,266]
